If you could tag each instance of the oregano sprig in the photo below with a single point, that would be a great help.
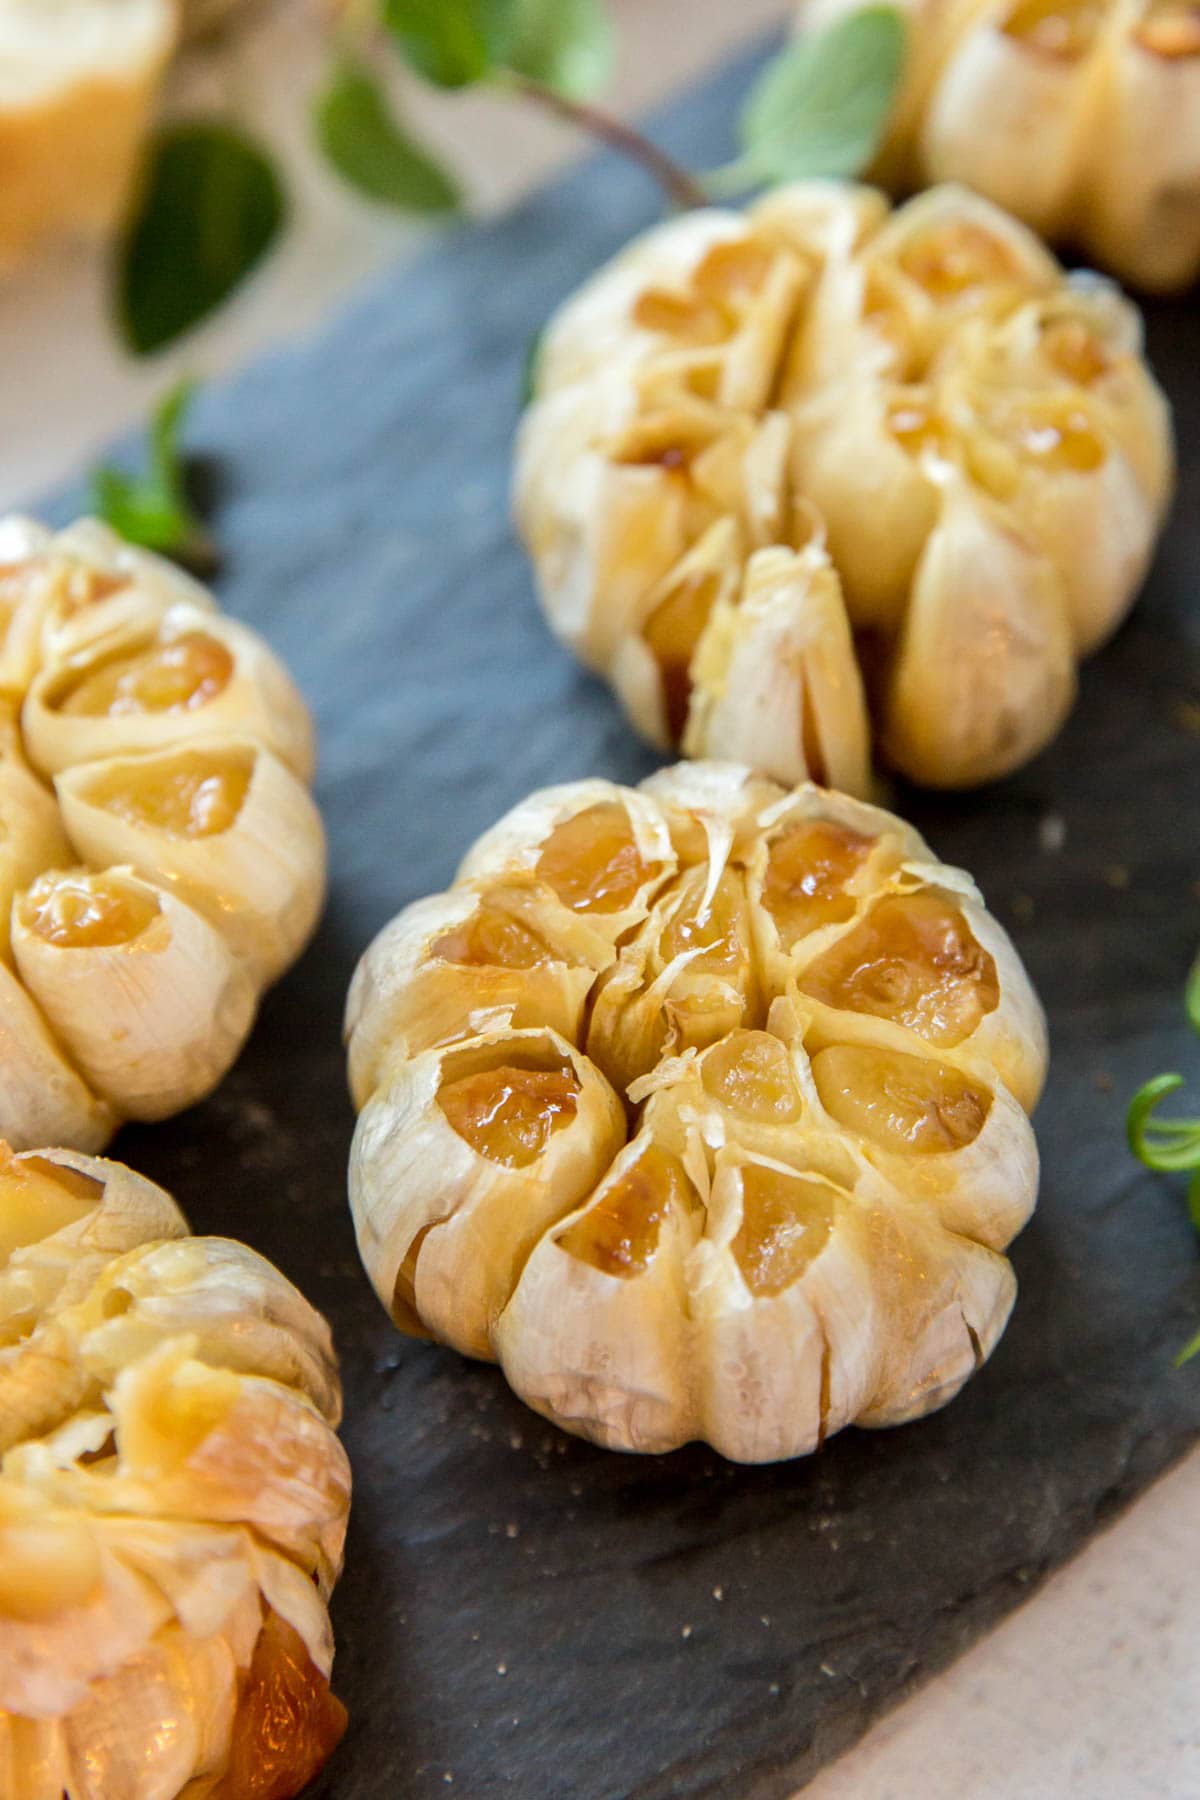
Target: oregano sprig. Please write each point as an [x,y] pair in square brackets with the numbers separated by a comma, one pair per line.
[213,200]
[153,509]
[1170,1146]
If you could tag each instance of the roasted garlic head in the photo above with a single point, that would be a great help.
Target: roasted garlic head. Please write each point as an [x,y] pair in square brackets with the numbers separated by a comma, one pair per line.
[702,1108]
[760,440]
[173,1500]
[1082,117]
[81,79]
[161,858]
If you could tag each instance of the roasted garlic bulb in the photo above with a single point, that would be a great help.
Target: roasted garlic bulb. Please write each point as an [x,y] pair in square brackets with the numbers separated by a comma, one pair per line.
[760,440]
[173,1500]
[80,82]
[161,858]
[702,1108]
[1082,117]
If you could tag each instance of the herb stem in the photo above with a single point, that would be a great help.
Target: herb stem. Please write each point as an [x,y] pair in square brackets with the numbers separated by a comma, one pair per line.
[680,187]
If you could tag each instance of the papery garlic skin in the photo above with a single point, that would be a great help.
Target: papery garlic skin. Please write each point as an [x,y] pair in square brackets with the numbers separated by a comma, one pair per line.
[161,857]
[1082,119]
[173,1499]
[766,445]
[738,1165]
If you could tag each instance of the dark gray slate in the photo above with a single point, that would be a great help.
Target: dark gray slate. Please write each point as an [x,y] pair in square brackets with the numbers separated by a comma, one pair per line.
[363,512]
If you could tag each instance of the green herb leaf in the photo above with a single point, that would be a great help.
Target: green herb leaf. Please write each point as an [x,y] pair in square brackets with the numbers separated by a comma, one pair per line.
[153,509]
[211,207]
[450,42]
[1191,995]
[529,368]
[1190,1349]
[566,45]
[372,152]
[821,106]
[1168,1145]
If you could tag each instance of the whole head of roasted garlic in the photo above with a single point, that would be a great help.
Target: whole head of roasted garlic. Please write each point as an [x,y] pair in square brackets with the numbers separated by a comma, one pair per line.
[1082,117]
[788,464]
[173,1500]
[161,858]
[702,1108]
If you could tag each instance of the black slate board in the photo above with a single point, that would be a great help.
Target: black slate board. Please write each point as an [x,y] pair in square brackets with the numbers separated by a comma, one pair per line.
[521,1613]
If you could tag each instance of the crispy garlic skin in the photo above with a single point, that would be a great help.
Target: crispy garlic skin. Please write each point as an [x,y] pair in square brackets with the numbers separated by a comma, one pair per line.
[702,1108]
[173,1500]
[788,463]
[161,857]
[1082,117]
[77,93]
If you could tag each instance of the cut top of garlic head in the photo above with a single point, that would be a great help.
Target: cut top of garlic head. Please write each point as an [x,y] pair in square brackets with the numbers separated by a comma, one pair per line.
[173,1500]
[789,467]
[161,858]
[702,1107]
[1082,117]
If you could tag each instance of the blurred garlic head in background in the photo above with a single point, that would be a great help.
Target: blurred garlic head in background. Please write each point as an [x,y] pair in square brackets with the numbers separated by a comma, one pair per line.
[784,464]
[1082,117]
[161,858]
[702,1108]
[173,1500]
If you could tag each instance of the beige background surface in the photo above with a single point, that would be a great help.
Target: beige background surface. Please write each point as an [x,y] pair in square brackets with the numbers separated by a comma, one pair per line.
[1089,1691]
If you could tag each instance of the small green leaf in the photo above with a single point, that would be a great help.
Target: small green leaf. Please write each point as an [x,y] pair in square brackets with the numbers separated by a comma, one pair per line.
[566,45]
[1193,1202]
[529,368]
[450,42]
[153,509]
[821,107]
[1190,1349]
[372,152]
[211,207]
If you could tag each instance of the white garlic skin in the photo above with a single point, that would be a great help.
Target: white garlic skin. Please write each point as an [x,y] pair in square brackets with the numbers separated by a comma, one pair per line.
[629,1289]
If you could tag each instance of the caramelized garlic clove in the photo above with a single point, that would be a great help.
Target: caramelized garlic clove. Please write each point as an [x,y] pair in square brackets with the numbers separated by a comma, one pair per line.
[846,447]
[776,683]
[602,534]
[1141,202]
[686,979]
[937,1130]
[781,1292]
[1014,109]
[935,965]
[143,993]
[225,825]
[450,966]
[953,718]
[595,1336]
[520,1126]
[42,1099]
[1080,503]
[180,677]
[603,851]
[31,837]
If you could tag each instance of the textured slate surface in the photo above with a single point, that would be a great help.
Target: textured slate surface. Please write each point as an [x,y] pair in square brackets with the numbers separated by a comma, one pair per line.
[520,1612]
